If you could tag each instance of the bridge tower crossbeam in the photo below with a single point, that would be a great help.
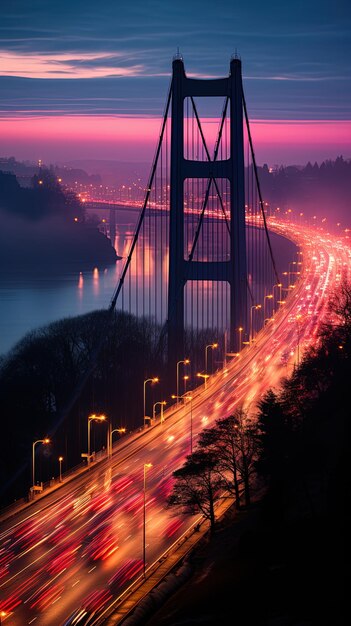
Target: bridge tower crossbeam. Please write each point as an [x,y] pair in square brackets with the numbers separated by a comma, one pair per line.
[181,270]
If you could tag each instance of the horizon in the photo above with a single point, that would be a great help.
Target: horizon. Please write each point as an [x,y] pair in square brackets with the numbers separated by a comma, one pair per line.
[84,162]
[78,82]
[61,140]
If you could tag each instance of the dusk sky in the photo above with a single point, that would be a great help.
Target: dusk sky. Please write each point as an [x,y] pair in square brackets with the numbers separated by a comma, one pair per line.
[87,80]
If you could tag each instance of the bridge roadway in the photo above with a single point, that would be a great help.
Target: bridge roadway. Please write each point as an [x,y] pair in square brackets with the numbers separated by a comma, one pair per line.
[61,551]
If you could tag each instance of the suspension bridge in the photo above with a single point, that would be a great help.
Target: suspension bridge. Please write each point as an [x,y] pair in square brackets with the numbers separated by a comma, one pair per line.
[200,265]
[201,260]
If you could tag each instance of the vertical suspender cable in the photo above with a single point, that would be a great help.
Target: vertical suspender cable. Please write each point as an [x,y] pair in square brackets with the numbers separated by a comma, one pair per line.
[142,214]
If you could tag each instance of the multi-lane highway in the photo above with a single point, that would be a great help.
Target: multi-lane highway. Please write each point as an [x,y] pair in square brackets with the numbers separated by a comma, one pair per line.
[82,544]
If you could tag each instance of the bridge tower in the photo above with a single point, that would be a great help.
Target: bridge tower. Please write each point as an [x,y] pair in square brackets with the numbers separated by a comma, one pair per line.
[181,270]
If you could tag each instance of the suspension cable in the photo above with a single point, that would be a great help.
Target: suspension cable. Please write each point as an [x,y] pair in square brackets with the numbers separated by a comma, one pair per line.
[259,187]
[142,214]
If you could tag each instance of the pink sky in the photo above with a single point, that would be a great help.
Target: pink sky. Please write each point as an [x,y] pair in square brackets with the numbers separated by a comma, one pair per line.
[65,138]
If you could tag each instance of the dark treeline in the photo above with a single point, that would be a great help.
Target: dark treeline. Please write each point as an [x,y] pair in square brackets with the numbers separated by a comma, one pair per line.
[41,392]
[25,171]
[39,377]
[323,189]
[45,225]
[43,199]
[290,455]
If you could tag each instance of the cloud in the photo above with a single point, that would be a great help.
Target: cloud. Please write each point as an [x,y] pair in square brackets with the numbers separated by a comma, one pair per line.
[64,65]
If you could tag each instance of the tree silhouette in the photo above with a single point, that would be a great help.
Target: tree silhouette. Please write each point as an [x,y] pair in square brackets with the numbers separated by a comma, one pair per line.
[198,485]
[233,440]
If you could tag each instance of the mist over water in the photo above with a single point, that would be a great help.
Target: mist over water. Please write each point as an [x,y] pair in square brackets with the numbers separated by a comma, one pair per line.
[34,296]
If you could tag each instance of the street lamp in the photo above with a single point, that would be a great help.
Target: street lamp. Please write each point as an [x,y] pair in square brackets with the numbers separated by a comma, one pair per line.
[213,346]
[162,404]
[269,297]
[146,466]
[2,614]
[185,378]
[191,420]
[205,376]
[290,271]
[280,294]
[254,307]
[298,317]
[175,397]
[288,275]
[115,430]
[185,361]
[60,462]
[93,418]
[240,329]
[148,380]
[33,456]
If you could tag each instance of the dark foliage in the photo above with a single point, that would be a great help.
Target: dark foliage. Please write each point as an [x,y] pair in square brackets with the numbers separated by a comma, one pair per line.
[198,484]
[40,376]
[303,430]
[45,226]
[324,185]
[46,198]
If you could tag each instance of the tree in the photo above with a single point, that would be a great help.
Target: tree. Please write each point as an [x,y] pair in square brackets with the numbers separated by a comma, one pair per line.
[40,376]
[233,440]
[246,448]
[271,437]
[198,484]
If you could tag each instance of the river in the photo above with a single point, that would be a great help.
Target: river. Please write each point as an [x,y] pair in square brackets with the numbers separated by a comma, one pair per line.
[30,299]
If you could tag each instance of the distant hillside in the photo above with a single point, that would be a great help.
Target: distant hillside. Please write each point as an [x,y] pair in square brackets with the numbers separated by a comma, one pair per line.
[24,172]
[45,226]
[115,173]
[323,189]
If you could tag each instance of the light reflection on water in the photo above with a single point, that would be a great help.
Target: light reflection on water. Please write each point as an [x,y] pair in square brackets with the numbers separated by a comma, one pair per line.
[31,299]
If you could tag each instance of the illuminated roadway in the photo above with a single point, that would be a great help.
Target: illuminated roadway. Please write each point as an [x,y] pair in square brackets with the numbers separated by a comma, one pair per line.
[62,551]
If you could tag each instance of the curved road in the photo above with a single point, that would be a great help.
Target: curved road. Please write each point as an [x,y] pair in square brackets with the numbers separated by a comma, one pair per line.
[82,544]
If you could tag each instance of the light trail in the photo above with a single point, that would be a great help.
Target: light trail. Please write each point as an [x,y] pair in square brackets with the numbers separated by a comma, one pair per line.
[82,544]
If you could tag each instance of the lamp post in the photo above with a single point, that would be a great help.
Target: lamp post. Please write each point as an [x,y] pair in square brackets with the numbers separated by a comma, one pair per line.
[191,421]
[291,271]
[240,329]
[93,418]
[115,430]
[33,456]
[162,404]
[2,614]
[254,307]
[298,317]
[148,380]
[175,397]
[205,376]
[185,378]
[269,297]
[280,294]
[60,462]
[288,275]
[213,346]
[185,361]
[146,466]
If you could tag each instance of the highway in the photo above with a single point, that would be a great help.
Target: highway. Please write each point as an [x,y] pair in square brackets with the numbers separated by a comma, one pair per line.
[82,544]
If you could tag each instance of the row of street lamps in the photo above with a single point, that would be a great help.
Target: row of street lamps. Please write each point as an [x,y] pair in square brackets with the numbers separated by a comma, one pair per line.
[155,379]
[176,396]
[91,418]
[110,431]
